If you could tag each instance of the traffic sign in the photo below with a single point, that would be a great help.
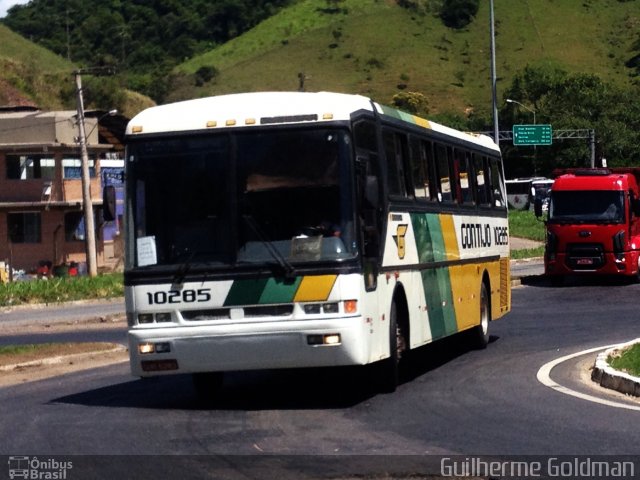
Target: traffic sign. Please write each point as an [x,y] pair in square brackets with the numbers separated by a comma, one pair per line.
[532,134]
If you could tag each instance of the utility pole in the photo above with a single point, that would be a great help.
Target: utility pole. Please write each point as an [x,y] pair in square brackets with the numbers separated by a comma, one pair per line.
[87,203]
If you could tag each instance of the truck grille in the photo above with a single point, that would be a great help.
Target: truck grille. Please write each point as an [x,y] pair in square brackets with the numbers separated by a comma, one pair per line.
[585,256]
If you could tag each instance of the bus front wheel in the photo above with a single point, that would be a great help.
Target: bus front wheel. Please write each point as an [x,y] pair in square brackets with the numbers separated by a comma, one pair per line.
[388,371]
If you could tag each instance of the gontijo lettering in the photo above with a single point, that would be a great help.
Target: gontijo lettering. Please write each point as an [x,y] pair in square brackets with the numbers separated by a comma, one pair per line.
[475,235]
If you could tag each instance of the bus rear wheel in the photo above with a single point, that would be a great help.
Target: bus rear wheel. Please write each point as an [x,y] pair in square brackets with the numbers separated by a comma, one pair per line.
[480,333]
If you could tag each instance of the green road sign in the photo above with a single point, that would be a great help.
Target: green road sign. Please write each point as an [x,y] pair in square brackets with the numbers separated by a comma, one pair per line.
[532,135]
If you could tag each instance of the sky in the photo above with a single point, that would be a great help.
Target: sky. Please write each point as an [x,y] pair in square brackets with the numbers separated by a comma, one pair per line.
[7,4]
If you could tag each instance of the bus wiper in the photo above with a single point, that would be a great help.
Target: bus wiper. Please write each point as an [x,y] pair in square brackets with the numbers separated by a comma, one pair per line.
[184,268]
[289,270]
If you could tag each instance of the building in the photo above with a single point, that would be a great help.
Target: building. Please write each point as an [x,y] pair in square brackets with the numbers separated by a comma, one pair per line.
[41,214]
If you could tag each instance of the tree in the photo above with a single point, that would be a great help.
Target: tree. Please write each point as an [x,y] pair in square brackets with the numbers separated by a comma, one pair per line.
[572,102]
[458,13]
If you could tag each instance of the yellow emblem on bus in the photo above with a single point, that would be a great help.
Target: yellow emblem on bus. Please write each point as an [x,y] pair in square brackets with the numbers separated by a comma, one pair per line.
[401,231]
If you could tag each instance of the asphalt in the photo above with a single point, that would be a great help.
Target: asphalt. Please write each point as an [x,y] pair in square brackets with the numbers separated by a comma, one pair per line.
[601,373]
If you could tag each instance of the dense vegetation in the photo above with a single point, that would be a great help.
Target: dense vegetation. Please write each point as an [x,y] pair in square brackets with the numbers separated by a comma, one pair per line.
[144,40]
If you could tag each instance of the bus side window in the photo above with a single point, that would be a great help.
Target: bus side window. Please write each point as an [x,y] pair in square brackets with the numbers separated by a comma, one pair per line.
[429,169]
[480,168]
[446,180]
[496,183]
[395,149]
[419,173]
[465,180]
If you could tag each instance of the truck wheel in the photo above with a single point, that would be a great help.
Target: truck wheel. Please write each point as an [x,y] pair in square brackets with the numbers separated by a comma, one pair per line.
[480,333]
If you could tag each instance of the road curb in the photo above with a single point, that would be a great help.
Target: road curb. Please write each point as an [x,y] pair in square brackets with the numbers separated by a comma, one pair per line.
[60,359]
[607,377]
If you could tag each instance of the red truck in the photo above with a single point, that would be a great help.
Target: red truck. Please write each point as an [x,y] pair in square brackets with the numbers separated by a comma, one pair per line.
[593,223]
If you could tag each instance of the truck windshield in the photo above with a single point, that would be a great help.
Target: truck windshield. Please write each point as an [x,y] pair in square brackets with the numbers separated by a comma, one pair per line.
[593,206]
[272,196]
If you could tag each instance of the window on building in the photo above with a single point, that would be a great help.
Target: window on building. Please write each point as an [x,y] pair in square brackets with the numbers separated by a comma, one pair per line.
[72,168]
[24,227]
[27,167]
[74,226]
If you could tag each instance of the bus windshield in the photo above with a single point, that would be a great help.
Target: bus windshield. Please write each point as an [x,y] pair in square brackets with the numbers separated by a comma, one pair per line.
[593,206]
[241,198]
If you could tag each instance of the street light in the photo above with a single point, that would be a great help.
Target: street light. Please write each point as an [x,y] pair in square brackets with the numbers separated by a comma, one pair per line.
[525,107]
[535,151]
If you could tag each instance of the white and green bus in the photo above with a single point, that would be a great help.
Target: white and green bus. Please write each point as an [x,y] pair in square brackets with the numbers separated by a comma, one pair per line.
[291,230]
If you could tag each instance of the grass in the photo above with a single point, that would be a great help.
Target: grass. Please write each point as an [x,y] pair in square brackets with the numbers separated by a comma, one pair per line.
[627,361]
[370,47]
[524,224]
[59,290]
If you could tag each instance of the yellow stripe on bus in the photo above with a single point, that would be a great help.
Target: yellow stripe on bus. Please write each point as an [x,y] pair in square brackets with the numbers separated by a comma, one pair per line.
[449,237]
[315,288]
[422,122]
[465,292]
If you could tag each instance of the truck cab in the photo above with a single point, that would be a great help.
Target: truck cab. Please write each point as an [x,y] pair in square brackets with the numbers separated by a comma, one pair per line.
[593,223]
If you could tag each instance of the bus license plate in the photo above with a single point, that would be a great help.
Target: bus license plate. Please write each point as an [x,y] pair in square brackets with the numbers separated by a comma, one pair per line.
[585,261]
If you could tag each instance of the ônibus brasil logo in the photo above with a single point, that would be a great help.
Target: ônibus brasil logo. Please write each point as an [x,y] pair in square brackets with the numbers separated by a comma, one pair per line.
[38,469]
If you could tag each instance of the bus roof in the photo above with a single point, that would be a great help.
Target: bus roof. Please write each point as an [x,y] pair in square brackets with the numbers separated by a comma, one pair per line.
[270,108]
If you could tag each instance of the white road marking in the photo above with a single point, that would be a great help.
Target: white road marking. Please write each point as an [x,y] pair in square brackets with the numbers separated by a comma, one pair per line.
[544,377]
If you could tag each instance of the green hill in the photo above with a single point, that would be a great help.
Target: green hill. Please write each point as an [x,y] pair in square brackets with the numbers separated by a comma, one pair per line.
[379,48]
[30,74]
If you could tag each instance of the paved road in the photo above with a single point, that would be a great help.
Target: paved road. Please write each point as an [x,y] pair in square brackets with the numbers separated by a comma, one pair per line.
[57,313]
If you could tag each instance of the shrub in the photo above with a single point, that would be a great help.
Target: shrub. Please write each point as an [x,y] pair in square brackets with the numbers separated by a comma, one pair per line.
[458,13]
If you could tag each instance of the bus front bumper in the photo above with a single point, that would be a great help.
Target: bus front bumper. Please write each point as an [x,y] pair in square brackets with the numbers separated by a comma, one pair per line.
[272,345]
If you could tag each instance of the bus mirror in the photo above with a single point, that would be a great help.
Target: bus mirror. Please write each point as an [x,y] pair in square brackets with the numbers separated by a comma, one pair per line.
[109,203]
[371,191]
[635,205]
[537,207]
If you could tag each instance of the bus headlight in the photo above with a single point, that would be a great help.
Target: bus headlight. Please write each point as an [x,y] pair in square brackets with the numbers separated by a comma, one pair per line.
[145,348]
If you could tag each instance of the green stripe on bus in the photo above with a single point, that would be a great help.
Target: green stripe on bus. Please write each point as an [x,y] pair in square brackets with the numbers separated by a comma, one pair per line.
[429,239]
[277,291]
[245,292]
[422,234]
[262,291]
[437,291]
[436,282]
